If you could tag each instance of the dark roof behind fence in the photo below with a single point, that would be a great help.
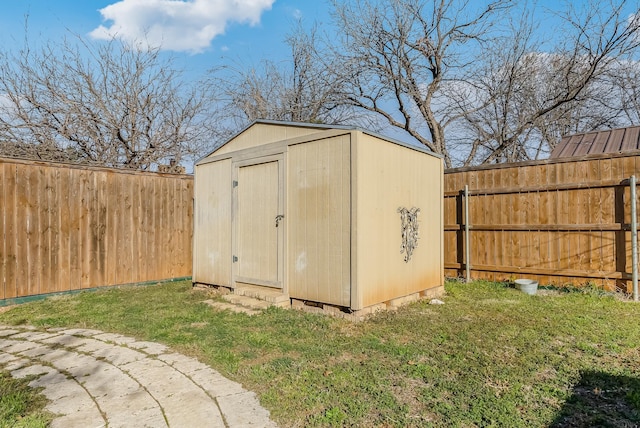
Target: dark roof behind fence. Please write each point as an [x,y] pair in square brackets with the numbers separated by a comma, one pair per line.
[597,142]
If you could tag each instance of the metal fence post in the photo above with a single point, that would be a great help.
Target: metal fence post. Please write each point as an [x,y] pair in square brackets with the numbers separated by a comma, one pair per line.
[467,251]
[634,237]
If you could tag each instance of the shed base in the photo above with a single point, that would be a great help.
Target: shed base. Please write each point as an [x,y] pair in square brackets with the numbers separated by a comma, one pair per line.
[258,298]
[362,314]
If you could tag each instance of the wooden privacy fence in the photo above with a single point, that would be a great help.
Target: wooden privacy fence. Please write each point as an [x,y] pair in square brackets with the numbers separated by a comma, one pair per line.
[66,227]
[561,221]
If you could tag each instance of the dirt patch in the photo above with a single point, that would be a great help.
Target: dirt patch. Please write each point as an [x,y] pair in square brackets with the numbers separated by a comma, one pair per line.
[407,391]
[199,324]
[209,291]
[6,308]
[499,302]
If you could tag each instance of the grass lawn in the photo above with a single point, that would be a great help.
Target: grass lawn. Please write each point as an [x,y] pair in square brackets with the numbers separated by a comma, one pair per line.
[490,356]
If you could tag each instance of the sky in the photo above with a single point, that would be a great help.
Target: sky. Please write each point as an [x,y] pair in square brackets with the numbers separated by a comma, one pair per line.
[201,34]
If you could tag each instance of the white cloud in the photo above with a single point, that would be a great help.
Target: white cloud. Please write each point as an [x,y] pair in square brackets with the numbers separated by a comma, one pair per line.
[176,25]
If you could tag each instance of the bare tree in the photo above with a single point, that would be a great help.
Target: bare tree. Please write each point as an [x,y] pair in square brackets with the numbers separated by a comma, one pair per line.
[299,90]
[393,57]
[107,104]
[625,78]
[525,100]
[454,75]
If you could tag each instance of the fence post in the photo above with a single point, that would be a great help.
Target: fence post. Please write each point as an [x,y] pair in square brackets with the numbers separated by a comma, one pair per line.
[634,237]
[467,251]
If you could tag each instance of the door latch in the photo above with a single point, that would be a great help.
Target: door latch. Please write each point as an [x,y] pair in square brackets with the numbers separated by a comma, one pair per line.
[279,217]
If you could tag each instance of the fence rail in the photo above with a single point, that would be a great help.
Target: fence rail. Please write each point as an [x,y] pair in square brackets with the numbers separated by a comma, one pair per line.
[67,227]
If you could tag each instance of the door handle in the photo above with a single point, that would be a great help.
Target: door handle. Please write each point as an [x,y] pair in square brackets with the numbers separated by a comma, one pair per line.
[278,218]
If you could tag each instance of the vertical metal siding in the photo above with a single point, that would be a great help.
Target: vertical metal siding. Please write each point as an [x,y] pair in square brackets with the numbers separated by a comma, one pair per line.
[212,224]
[319,221]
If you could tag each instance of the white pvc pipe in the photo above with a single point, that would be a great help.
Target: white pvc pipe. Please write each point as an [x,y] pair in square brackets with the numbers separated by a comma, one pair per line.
[634,237]
[467,250]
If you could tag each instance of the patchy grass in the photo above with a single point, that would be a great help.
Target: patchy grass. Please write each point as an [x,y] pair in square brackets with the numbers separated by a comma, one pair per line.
[490,356]
[21,406]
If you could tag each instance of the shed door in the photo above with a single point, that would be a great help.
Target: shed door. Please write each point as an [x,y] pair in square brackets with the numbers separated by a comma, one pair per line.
[259,222]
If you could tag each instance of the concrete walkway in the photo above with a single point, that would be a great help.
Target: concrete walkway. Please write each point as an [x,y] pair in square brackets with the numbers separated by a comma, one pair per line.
[97,379]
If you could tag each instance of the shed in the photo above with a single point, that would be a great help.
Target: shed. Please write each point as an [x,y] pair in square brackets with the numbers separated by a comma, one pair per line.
[333,215]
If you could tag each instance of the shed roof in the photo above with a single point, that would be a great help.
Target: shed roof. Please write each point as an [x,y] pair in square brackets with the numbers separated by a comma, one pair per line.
[322,127]
[597,142]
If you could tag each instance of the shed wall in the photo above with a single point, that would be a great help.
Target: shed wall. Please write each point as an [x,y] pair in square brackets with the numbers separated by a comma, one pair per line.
[261,134]
[318,219]
[212,218]
[387,177]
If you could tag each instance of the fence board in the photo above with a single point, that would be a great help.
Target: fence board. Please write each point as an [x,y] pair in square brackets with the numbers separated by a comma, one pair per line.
[178,239]
[49,223]
[68,227]
[136,250]
[75,237]
[87,188]
[23,283]
[163,221]
[63,193]
[34,235]
[122,237]
[145,228]
[155,224]
[111,225]
[3,234]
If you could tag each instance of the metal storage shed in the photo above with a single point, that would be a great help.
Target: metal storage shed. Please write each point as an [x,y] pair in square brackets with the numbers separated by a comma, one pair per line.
[326,214]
